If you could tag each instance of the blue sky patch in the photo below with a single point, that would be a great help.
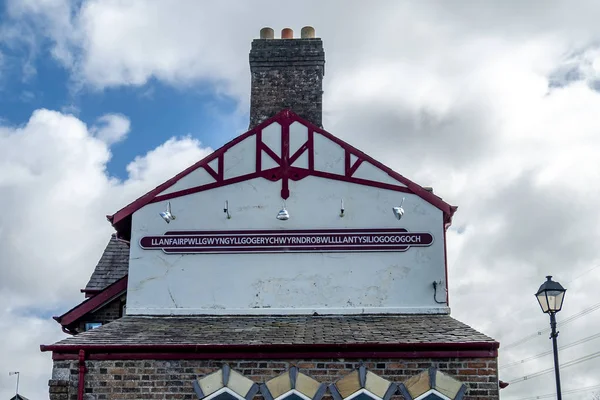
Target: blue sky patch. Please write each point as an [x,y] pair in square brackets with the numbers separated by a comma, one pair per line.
[157,111]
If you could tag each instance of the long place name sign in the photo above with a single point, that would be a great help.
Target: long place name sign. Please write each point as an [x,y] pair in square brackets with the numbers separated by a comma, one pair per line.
[325,240]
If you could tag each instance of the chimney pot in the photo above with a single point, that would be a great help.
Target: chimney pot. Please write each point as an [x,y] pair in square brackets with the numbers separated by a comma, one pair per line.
[308,32]
[287,33]
[267,33]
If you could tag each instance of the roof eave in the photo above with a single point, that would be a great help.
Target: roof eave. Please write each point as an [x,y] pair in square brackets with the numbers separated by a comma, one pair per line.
[412,350]
[93,303]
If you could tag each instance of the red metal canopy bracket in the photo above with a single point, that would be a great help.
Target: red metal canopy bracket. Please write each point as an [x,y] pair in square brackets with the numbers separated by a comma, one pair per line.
[284,170]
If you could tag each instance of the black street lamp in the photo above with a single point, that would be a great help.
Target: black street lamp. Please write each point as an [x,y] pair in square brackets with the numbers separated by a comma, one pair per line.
[550,296]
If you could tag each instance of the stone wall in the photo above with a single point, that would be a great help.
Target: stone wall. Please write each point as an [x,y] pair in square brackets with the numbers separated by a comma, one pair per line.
[286,74]
[172,379]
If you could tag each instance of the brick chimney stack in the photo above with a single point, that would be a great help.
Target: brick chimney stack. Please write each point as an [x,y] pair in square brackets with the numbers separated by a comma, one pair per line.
[287,73]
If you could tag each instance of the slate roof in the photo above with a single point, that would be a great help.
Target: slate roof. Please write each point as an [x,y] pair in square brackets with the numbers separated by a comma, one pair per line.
[279,330]
[113,265]
[93,304]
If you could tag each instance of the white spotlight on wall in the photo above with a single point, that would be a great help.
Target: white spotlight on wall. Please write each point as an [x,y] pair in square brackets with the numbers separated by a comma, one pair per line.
[398,211]
[283,214]
[167,215]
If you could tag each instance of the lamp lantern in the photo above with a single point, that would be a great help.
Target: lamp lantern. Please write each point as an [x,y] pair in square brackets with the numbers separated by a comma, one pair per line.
[550,296]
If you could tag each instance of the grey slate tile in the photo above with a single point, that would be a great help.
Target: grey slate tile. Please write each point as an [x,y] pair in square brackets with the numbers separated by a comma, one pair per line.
[240,330]
[113,265]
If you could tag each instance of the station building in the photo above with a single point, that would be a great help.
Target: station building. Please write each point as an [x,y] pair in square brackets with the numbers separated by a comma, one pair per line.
[287,264]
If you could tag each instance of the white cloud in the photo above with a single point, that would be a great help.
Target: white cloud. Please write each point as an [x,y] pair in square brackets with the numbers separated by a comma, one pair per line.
[178,151]
[482,123]
[50,19]
[111,128]
[113,43]
[492,103]
[22,336]
[55,193]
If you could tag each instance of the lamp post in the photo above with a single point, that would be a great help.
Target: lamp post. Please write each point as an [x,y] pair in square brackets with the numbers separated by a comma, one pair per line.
[18,375]
[550,296]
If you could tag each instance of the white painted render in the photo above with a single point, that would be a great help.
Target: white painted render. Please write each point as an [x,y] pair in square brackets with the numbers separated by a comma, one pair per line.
[366,170]
[329,156]
[267,161]
[198,178]
[287,283]
[298,136]
[162,283]
[240,159]
[271,136]
[302,161]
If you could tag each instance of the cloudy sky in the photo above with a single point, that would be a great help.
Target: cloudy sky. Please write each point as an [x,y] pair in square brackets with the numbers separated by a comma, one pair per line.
[496,104]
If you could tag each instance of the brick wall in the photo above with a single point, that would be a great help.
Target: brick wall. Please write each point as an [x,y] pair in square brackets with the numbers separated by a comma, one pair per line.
[152,379]
[106,314]
[286,74]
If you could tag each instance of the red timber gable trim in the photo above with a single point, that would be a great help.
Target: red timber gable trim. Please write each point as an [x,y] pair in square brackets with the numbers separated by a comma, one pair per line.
[284,171]
[103,297]
[90,292]
[271,351]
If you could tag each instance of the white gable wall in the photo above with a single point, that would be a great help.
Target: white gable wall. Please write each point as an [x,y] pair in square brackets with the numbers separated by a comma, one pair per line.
[162,283]
[275,283]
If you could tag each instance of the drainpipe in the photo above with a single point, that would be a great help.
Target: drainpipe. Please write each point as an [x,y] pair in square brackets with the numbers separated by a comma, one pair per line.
[82,371]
